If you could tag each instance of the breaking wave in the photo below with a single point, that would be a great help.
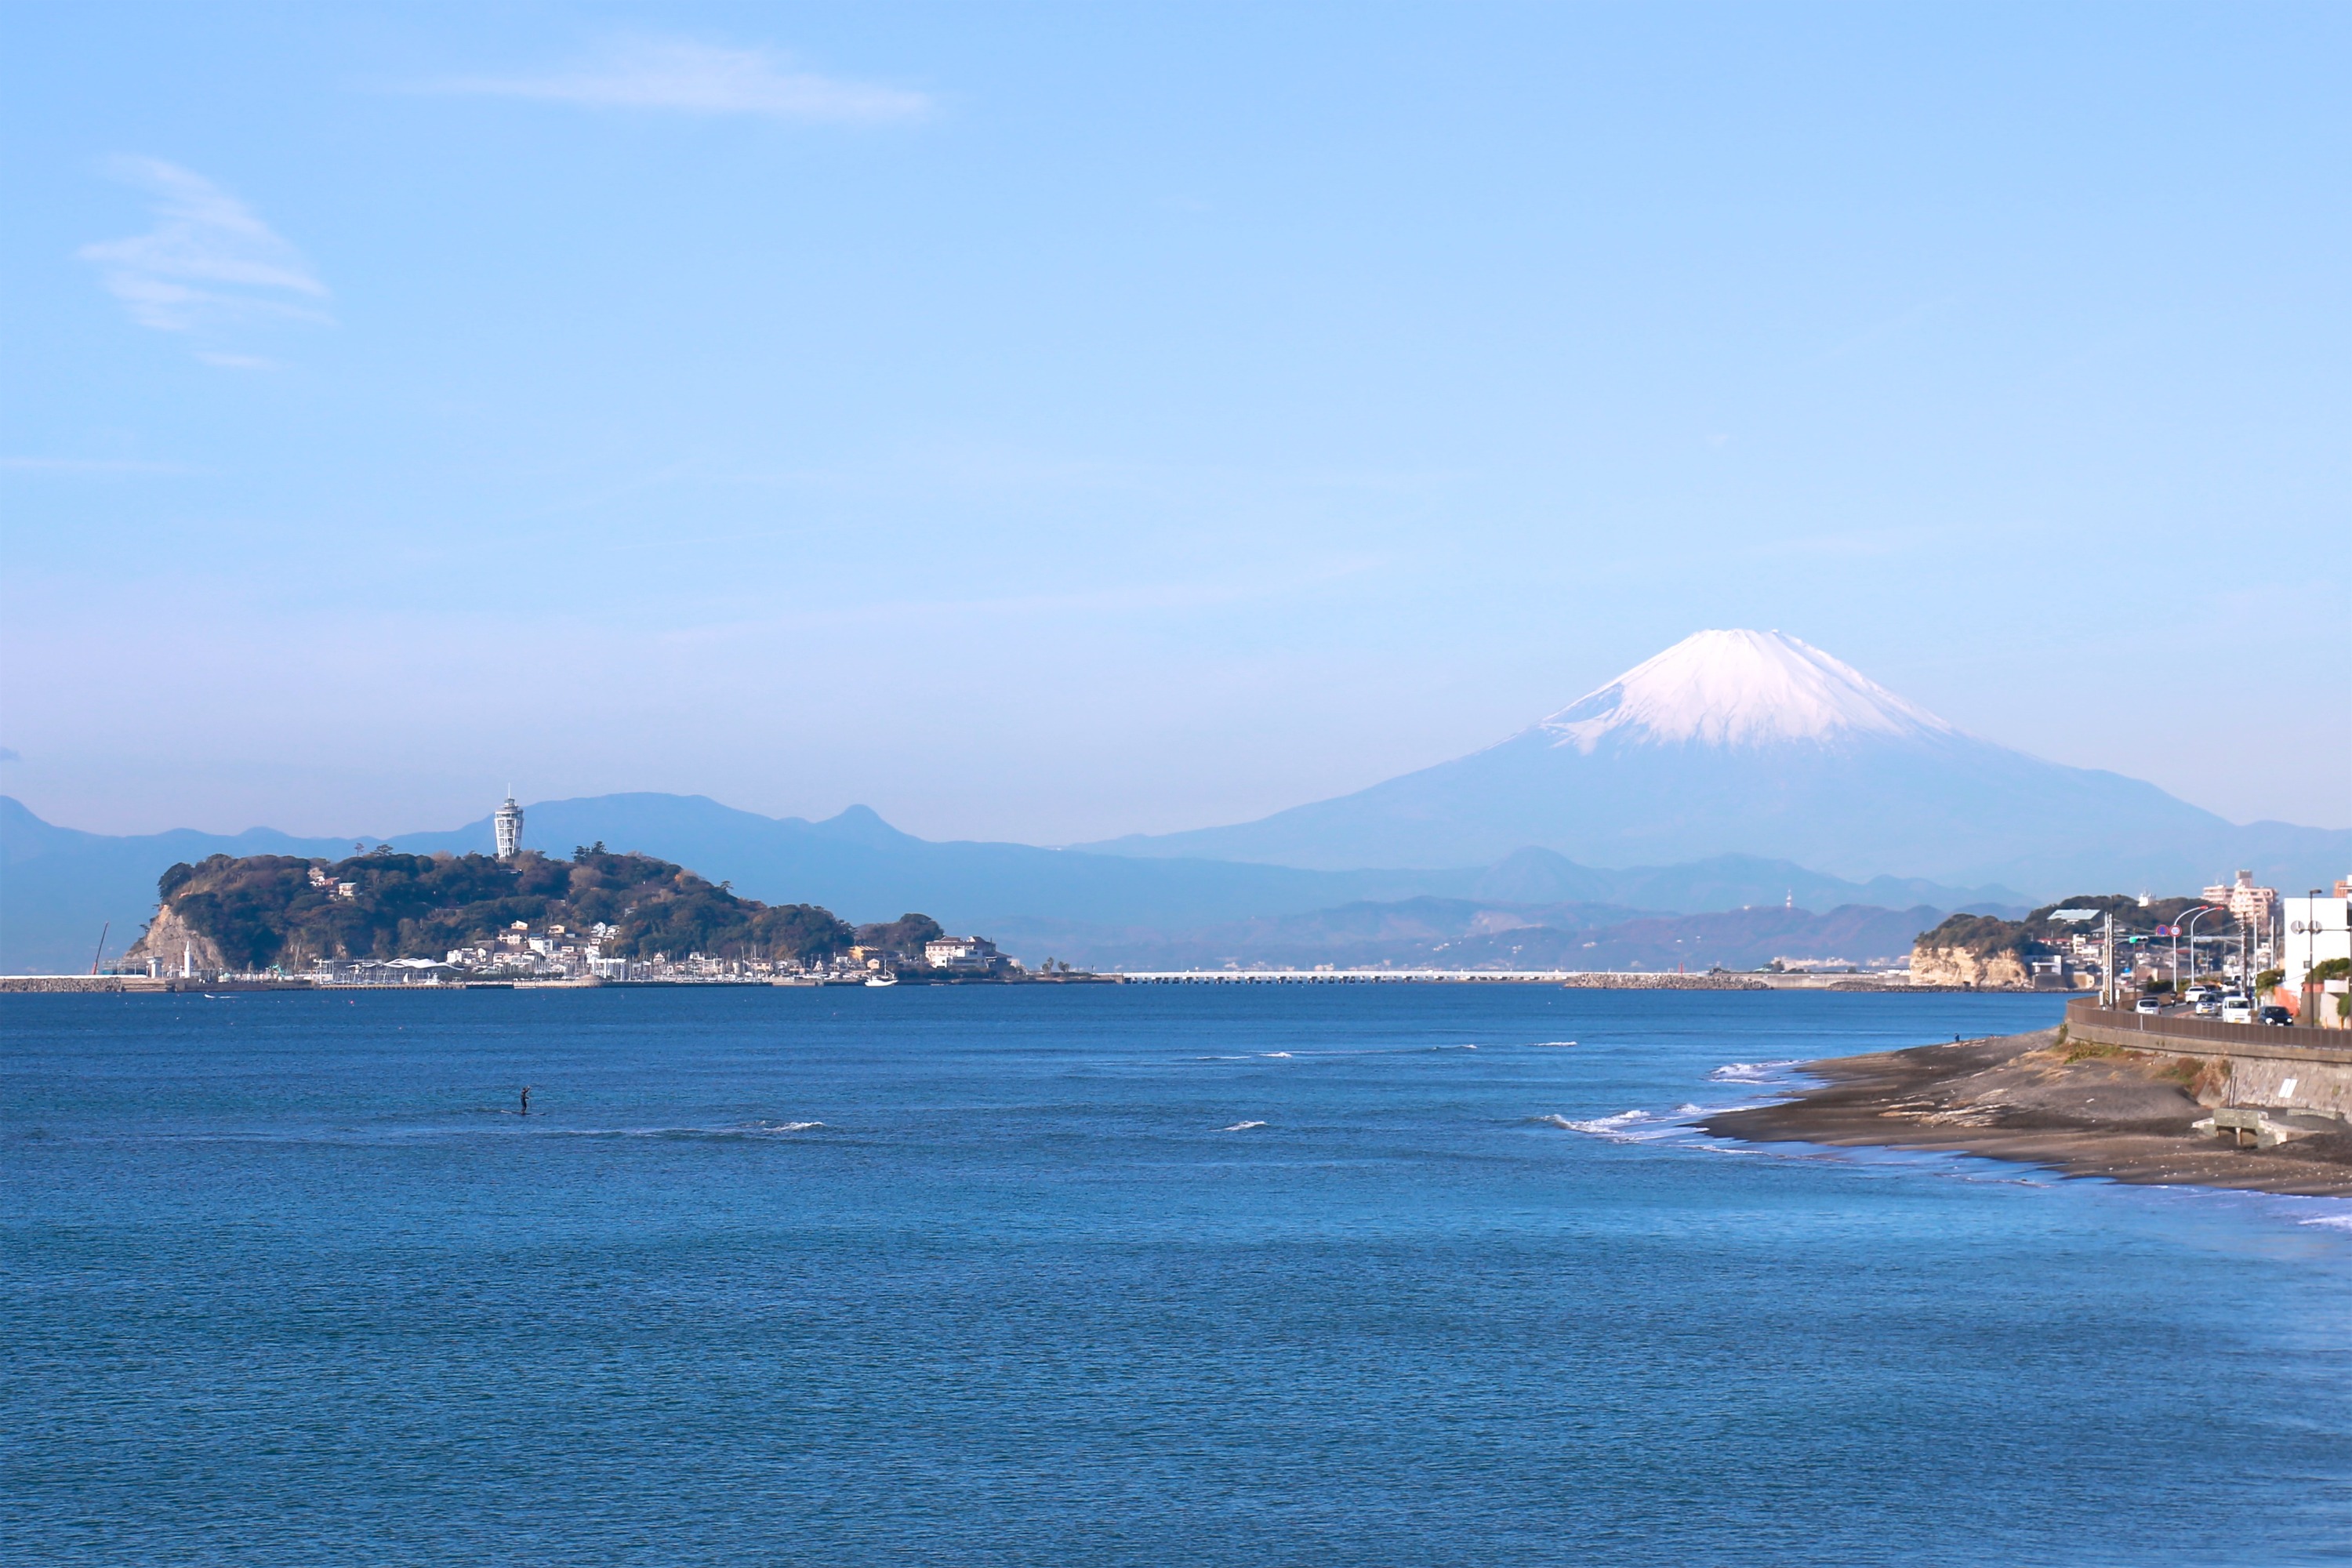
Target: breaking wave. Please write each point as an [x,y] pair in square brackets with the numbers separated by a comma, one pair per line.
[1750,1072]
[1625,1127]
[1240,1126]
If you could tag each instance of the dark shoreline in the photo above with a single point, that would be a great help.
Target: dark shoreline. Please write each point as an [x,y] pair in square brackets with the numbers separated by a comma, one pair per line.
[2123,1116]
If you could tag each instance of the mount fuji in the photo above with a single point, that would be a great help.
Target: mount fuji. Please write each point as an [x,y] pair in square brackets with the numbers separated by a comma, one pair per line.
[1747,742]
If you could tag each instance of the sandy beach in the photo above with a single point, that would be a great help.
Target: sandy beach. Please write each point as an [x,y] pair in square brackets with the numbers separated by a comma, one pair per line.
[2081,1110]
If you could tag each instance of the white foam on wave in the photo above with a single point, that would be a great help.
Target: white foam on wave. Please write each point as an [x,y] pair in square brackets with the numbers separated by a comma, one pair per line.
[1552,1045]
[2330,1221]
[1276,1056]
[1625,1127]
[1752,1072]
[1240,1126]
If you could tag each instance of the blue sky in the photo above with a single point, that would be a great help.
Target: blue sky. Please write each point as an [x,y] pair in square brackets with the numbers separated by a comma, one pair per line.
[1047,421]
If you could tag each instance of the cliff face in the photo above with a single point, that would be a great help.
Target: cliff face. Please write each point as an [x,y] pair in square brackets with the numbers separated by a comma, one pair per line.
[171,941]
[1975,950]
[1940,965]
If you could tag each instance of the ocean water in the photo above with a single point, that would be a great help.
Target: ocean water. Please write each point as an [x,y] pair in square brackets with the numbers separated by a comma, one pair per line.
[1138,1276]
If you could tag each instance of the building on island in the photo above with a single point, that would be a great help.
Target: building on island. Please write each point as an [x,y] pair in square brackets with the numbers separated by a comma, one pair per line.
[964,955]
[508,821]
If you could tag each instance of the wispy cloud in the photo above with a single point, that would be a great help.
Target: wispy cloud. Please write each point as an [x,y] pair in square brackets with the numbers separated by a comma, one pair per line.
[89,465]
[702,79]
[208,264]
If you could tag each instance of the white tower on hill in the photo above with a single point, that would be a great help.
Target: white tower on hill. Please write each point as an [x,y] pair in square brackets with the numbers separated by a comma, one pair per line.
[507,820]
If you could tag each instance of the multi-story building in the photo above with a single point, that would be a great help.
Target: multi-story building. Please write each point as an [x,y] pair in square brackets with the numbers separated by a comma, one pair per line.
[2247,904]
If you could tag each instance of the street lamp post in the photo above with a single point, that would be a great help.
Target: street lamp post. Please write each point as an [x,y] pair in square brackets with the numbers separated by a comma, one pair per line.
[2184,915]
[2201,914]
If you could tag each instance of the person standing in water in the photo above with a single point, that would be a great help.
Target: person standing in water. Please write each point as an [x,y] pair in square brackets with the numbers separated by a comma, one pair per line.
[526,1102]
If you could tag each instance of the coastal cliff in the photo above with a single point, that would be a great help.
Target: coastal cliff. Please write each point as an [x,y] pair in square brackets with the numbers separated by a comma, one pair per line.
[1948,962]
[1986,954]
[172,943]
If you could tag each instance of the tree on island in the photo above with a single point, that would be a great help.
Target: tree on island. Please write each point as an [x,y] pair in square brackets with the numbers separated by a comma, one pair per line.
[264,909]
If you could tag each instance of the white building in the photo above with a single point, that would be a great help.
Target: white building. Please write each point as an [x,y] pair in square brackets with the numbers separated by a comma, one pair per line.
[508,821]
[961,953]
[2314,929]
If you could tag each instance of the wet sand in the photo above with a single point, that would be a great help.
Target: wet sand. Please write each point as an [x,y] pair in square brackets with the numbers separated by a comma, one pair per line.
[2084,1111]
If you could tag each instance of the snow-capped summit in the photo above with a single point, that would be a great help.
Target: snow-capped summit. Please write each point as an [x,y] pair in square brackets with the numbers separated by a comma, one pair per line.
[1738,688]
[1745,742]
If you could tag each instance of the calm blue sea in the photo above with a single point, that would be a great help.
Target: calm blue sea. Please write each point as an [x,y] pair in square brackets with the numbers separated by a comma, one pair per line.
[1134,1276]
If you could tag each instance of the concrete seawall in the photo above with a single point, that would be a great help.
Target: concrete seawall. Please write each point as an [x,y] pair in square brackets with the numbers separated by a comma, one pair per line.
[2281,1070]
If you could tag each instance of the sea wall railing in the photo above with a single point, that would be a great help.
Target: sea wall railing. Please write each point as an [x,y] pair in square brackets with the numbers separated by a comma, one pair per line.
[2158,1033]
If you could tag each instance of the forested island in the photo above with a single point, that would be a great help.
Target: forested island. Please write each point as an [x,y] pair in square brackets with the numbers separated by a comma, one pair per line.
[275,911]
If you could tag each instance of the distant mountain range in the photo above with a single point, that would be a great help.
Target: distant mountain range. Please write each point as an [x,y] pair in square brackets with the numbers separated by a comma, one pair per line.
[60,886]
[1467,933]
[1712,775]
[1754,744]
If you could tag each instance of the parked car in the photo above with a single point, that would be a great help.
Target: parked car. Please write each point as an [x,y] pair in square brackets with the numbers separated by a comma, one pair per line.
[2237,1009]
[2278,1016]
[2148,1004]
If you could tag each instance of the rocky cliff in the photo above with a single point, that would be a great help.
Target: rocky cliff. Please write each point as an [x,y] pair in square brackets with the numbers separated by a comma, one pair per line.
[172,943]
[1976,949]
[1942,966]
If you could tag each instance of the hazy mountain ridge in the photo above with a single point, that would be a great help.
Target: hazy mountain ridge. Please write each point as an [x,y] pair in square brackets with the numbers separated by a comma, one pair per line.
[1456,933]
[1755,743]
[58,884]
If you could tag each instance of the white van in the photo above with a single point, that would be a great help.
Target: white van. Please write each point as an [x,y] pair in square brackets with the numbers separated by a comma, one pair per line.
[2237,1009]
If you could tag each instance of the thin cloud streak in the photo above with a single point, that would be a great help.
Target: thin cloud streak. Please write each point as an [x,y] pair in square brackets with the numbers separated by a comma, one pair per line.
[704,79]
[91,466]
[209,261]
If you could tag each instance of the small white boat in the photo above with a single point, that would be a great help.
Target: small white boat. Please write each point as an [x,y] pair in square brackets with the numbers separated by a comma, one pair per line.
[883,979]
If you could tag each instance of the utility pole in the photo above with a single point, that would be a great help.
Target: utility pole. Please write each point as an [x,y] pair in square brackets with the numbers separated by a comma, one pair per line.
[2107,996]
[2311,943]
